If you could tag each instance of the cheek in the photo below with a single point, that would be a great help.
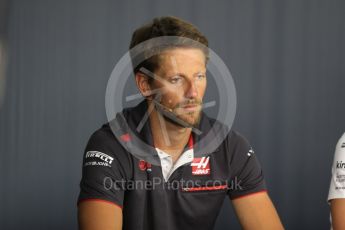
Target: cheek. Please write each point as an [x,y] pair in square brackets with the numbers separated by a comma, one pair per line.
[201,88]
[172,92]
[172,97]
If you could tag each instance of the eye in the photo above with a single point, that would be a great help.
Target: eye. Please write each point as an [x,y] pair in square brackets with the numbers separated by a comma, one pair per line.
[175,79]
[200,76]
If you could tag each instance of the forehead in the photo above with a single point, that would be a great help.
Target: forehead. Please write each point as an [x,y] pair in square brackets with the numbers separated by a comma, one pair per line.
[182,59]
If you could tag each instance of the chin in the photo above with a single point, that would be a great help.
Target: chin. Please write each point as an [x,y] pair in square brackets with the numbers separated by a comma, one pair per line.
[192,119]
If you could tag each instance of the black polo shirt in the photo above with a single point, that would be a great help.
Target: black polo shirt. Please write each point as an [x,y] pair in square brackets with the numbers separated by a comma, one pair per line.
[193,194]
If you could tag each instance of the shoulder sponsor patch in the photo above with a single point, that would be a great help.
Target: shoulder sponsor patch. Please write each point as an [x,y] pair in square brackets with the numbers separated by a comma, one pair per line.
[250,152]
[106,160]
[340,165]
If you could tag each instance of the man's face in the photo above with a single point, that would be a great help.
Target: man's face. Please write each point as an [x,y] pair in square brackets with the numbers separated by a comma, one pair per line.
[182,83]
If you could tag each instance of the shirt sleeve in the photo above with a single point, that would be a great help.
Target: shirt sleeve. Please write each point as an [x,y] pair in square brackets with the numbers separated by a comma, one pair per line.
[337,186]
[246,174]
[104,173]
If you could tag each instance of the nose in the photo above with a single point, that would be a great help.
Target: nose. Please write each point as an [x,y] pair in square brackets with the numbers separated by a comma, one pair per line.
[192,90]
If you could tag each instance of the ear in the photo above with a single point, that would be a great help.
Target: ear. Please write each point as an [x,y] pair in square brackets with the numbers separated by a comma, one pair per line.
[143,84]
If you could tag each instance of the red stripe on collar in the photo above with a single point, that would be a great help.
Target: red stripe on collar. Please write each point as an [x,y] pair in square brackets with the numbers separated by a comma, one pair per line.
[190,142]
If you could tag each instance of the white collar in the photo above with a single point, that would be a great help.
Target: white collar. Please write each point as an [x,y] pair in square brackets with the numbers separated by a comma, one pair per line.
[167,165]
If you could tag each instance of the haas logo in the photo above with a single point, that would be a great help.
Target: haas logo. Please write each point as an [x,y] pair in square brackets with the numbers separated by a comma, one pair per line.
[201,166]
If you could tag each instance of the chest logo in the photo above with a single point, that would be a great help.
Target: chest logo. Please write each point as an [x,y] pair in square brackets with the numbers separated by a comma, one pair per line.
[201,166]
[143,165]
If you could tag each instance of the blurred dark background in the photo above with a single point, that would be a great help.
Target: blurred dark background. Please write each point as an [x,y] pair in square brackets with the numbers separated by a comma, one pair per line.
[287,59]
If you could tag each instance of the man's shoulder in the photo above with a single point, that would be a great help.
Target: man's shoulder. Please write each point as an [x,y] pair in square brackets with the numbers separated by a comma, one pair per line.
[341,142]
[103,134]
[231,142]
[103,139]
[340,149]
[232,136]
[236,137]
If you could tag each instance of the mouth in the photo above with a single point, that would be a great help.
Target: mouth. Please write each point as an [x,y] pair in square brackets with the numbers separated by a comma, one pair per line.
[191,107]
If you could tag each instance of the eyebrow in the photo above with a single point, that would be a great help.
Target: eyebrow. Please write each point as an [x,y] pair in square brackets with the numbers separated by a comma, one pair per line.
[182,74]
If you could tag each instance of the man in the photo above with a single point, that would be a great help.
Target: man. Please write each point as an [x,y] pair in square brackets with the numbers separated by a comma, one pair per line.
[173,82]
[336,196]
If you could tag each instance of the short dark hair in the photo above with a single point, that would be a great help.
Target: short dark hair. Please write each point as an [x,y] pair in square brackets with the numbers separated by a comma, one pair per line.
[166,26]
